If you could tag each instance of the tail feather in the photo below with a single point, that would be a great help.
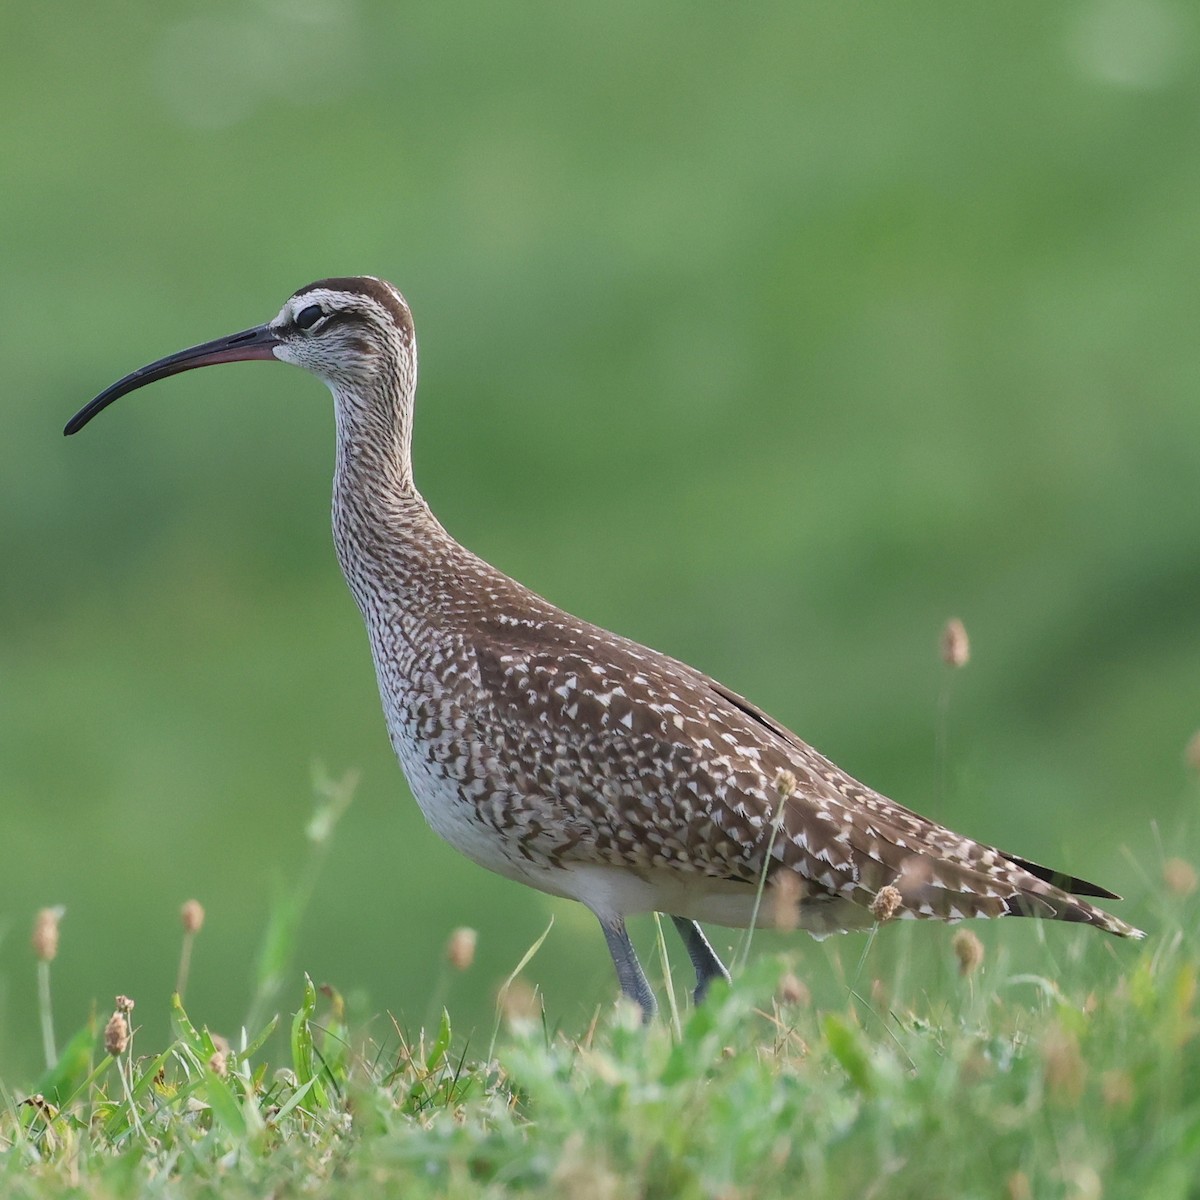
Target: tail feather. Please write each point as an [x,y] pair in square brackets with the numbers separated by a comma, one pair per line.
[1053,897]
[1056,905]
[1062,881]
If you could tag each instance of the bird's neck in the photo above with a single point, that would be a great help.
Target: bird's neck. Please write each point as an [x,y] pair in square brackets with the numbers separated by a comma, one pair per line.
[374,438]
[387,539]
[409,576]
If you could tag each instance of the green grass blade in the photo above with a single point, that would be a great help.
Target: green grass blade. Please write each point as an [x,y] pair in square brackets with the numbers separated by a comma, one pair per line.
[225,1106]
[74,1065]
[304,1058]
[441,1043]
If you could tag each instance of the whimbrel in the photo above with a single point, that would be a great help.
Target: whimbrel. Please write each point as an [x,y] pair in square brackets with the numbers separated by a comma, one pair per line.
[574,760]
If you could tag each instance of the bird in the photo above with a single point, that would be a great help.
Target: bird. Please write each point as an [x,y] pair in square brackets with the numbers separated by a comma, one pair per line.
[572,759]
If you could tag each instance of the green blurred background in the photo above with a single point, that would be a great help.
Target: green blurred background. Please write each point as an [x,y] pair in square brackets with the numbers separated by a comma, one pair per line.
[771,335]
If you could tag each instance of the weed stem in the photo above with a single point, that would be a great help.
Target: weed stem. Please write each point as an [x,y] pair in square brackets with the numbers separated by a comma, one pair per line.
[185,963]
[47,1015]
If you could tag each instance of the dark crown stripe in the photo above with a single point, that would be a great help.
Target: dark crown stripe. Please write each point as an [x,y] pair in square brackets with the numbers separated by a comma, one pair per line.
[365,285]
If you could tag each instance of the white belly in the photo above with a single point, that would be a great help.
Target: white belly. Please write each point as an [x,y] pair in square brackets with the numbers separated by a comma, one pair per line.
[448,807]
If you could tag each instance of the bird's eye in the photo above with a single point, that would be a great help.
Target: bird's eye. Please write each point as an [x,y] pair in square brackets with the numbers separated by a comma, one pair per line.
[306,318]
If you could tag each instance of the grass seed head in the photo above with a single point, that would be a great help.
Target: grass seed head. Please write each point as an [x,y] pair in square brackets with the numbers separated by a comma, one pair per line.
[915,881]
[1192,753]
[1063,1065]
[337,1004]
[1019,1187]
[519,1003]
[124,1005]
[879,996]
[218,1064]
[1116,1086]
[45,932]
[792,990]
[956,647]
[460,949]
[968,949]
[192,916]
[886,904]
[1179,876]
[116,1034]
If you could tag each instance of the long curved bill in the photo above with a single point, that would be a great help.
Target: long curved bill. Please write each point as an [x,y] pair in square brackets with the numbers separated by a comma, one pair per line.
[259,342]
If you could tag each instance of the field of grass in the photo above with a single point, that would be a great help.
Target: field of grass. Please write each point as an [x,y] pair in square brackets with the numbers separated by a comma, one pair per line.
[943,1068]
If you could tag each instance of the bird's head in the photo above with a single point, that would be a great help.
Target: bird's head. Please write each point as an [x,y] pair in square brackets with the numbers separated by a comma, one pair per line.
[355,333]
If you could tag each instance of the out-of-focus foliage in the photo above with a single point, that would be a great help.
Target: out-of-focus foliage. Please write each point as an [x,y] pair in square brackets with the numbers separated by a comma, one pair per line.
[771,335]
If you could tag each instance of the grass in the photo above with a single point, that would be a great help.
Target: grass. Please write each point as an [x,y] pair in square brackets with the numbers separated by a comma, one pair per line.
[1080,1081]
[1007,1085]
[933,1067]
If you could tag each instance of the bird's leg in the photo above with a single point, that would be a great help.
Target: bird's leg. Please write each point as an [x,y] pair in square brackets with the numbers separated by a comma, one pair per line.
[629,971]
[704,957]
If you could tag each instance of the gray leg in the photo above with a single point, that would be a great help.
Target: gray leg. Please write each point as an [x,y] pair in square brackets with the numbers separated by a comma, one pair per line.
[629,970]
[704,957]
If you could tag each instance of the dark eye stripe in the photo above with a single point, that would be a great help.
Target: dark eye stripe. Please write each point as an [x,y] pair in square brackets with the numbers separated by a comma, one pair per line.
[306,318]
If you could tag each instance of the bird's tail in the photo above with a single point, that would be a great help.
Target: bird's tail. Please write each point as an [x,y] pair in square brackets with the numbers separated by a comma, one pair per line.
[1051,903]
[1054,895]
[989,883]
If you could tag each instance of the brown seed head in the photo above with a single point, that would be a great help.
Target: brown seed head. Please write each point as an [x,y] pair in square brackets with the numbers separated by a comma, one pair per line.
[956,647]
[879,996]
[791,990]
[915,880]
[1019,1187]
[192,916]
[460,949]
[337,1002]
[1116,1086]
[116,1034]
[1192,753]
[785,784]
[519,1003]
[886,904]
[45,932]
[124,1005]
[1179,876]
[218,1064]
[968,949]
[1063,1065]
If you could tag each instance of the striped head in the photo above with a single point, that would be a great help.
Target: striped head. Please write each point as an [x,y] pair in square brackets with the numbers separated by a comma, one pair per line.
[354,333]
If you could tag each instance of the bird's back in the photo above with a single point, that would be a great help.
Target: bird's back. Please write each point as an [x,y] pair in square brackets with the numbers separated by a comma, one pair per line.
[574,759]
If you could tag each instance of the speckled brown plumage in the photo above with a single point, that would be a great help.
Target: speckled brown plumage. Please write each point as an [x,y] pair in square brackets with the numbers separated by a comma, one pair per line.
[575,760]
